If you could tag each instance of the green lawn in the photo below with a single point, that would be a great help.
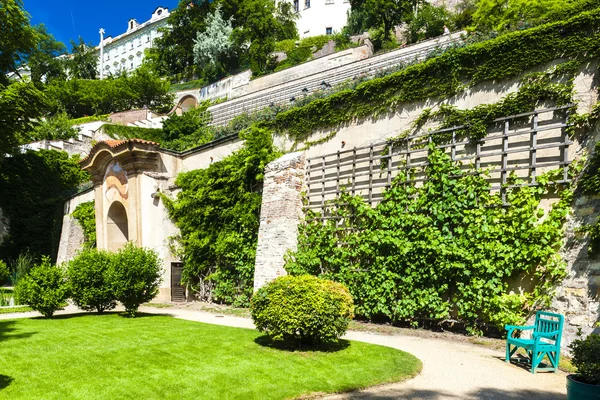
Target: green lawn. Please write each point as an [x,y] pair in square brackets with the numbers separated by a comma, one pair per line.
[159,357]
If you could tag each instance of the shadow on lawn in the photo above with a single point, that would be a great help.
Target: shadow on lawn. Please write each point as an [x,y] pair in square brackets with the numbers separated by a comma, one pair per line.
[5,381]
[477,394]
[96,314]
[7,330]
[267,341]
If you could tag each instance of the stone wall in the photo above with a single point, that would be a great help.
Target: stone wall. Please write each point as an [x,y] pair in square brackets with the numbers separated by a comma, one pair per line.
[71,236]
[280,215]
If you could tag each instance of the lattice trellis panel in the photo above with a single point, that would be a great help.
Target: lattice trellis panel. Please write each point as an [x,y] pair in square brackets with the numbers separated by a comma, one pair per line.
[527,145]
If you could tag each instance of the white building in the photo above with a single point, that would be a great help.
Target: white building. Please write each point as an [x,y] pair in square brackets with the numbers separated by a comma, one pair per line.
[126,51]
[320,17]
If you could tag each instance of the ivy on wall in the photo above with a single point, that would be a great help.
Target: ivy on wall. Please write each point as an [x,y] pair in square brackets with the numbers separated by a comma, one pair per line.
[85,215]
[217,212]
[446,250]
[450,73]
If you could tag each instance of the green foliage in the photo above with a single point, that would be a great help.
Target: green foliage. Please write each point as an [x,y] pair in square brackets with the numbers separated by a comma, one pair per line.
[213,44]
[85,120]
[445,250]
[56,127]
[89,280]
[590,180]
[21,267]
[21,104]
[594,243]
[5,297]
[502,15]
[135,275]
[85,214]
[4,272]
[188,130]
[217,213]
[83,62]
[17,38]
[44,289]
[586,358]
[297,54]
[303,309]
[373,14]
[33,188]
[450,73]
[428,23]
[82,97]
[44,61]
[117,131]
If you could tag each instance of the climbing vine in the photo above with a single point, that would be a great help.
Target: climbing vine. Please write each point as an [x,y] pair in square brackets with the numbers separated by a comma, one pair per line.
[85,215]
[217,212]
[450,73]
[446,250]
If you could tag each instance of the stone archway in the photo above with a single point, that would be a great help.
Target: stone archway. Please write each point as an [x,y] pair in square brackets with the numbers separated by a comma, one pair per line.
[117,227]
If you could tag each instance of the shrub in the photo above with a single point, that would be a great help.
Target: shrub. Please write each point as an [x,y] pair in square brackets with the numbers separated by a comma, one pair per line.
[135,275]
[89,281]
[21,267]
[304,309]
[44,289]
[586,358]
[4,272]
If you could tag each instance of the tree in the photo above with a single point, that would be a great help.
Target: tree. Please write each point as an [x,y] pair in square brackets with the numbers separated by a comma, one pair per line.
[21,104]
[174,54]
[213,44]
[17,37]
[255,32]
[384,14]
[83,62]
[286,21]
[55,127]
[45,61]
[428,23]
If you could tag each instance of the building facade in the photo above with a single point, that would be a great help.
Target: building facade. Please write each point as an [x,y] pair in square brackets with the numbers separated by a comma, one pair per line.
[126,51]
[320,17]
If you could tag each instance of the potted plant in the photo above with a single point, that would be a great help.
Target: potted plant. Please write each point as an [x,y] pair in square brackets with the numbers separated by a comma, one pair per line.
[585,385]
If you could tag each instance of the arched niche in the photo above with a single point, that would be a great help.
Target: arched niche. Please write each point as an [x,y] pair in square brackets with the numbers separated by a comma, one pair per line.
[187,103]
[117,227]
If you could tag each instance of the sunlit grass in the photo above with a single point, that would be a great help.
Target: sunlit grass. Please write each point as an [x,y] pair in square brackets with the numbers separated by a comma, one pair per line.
[160,357]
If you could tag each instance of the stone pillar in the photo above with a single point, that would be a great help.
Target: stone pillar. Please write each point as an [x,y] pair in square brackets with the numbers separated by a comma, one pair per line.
[280,215]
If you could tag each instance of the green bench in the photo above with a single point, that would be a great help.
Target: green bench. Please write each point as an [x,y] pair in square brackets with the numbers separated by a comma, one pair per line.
[545,340]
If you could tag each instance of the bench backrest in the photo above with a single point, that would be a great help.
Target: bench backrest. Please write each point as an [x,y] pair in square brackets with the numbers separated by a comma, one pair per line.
[549,322]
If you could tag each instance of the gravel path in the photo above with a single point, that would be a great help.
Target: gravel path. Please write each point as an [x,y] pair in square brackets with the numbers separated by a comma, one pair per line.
[451,369]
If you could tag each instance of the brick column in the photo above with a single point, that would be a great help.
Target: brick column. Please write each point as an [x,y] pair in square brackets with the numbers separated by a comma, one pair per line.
[280,215]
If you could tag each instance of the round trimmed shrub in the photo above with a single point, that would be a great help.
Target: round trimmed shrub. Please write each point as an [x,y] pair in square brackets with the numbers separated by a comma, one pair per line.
[89,281]
[135,275]
[44,288]
[304,309]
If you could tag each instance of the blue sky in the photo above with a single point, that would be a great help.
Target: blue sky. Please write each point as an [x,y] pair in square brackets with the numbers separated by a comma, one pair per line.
[70,19]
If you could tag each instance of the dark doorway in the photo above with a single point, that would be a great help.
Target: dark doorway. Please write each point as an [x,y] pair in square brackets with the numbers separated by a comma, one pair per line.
[177,290]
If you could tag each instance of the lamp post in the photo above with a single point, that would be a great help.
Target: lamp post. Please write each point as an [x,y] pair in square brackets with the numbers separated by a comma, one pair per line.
[101,53]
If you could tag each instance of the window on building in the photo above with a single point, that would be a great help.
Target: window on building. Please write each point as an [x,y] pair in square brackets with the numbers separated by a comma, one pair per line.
[328,31]
[139,42]
[131,65]
[147,38]
[306,3]
[296,5]
[329,1]
[131,45]
[123,49]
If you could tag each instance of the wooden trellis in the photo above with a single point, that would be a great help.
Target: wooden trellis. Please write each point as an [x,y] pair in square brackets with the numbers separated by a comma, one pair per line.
[526,144]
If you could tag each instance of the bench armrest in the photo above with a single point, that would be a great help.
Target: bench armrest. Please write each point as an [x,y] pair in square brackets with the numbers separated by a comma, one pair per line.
[537,335]
[511,328]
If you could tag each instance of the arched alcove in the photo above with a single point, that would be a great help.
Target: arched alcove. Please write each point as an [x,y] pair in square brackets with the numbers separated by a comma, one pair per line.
[117,227]
[187,103]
